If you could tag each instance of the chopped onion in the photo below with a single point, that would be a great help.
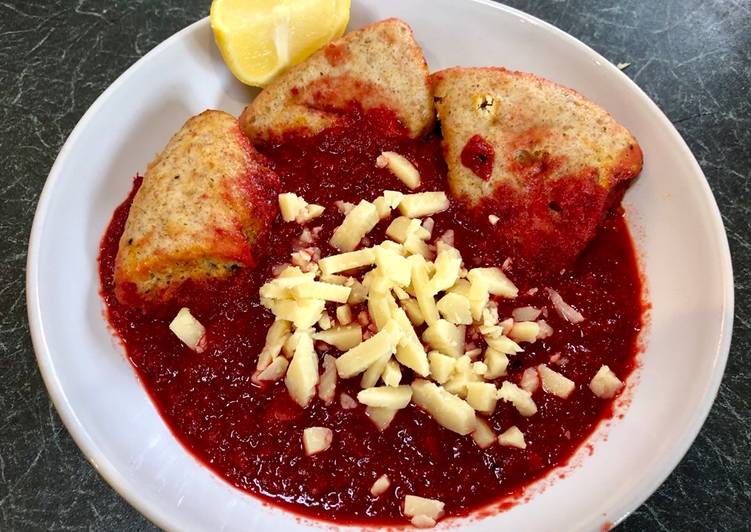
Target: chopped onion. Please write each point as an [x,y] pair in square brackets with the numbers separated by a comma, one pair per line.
[448,237]
[344,207]
[347,402]
[530,380]
[545,330]
[564,310]
[525,313]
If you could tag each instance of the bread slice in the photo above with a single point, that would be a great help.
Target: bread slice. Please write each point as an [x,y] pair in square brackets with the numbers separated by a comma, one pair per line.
[203,203]
[543,162]
[378,66]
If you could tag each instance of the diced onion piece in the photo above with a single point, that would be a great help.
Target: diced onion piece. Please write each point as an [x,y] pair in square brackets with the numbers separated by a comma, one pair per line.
[448,264]
[423,204]
[497,282]
[396,397]
[347,261]
[275,338]
[496,362]
[381,417]
[441,366]
[392,373]
[446,409]
[302,373]
[524,331]
[513,437]
[412,308]
[605,384]
[303,313]
[188,329]
[555,383]
[401,167]
[274,371]
[344,207]
[359,358]
[527,313]
[346,401]
[455,308]
[530,380]
[319,290]
[521,399]
[564,310]
[343,338]
[428,224]
[423,294]
[483,435]
[546,330]
[380,486]
[482,396]
[387,202]
[316,440]
[355,226]
[414,505]
[327,384]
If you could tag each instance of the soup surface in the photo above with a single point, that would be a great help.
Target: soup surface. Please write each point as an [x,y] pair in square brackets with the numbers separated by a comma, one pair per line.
[251,435]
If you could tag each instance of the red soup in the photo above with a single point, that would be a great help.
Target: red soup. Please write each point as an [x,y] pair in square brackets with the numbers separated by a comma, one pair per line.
[251,435]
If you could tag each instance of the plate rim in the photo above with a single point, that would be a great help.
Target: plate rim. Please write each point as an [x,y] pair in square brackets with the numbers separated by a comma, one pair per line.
[153,511]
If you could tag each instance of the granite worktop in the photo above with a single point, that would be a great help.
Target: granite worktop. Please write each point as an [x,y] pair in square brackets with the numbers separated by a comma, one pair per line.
[692,57]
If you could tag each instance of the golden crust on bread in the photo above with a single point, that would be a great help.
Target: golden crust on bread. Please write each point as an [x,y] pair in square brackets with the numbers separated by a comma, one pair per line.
[204,201]
[378,66]
[544,159]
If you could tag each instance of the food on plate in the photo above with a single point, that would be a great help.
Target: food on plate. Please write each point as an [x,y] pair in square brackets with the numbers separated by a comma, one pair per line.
[202,206]
[540,159]
[384,350]
[259,39]
[375,68]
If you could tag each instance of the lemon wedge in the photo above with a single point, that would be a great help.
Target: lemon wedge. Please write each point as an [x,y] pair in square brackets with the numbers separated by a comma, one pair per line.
[259,39]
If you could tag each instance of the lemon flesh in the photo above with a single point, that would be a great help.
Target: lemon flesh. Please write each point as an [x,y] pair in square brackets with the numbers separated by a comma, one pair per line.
[259,39]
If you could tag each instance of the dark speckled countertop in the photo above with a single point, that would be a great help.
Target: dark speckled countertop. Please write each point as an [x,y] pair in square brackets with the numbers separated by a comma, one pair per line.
[692,57]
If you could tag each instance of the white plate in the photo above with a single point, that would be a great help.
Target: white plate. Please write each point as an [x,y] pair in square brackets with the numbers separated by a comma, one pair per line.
[678,230]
